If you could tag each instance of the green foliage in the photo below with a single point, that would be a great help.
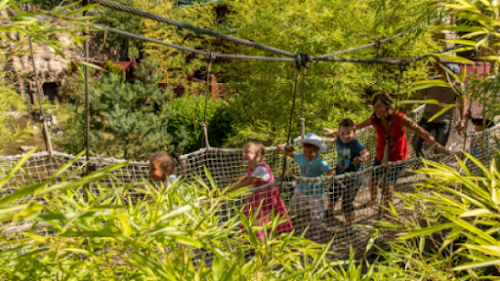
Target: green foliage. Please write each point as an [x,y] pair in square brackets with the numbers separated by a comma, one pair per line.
[187,114]
[454,233]
[17,27]
[261,91]
[114,68]
[10,104]
[109,17]
[37,27]
[172,124]
[177,65]
[127,117]
[153,236]
[333,91]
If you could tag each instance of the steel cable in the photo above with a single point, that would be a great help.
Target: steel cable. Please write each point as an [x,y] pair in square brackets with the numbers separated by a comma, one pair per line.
[206,31]
[374,43]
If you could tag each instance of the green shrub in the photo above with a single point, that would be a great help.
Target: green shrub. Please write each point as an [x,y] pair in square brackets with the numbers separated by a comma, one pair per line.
[10,101]
[114,68]
[454,233]
[126,118]
[187,114]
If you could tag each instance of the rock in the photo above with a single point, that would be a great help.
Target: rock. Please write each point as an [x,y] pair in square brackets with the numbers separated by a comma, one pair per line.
[36,130]
[26,148]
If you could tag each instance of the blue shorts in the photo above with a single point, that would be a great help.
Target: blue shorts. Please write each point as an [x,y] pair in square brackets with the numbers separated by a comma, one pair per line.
[393,173]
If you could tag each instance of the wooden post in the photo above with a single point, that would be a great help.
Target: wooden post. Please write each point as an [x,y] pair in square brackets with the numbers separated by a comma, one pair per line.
[48,144]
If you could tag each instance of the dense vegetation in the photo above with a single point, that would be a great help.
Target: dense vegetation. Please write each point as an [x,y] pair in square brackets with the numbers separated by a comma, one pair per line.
[258,93]
[139,231]
[155,235]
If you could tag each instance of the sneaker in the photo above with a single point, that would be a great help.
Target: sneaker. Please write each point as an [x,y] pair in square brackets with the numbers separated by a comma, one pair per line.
[349,231]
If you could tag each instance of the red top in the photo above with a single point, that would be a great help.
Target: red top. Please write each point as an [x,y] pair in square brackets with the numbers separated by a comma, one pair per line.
[399,151]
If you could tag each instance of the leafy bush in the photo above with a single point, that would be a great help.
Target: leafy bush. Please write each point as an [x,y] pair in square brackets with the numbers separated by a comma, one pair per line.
[114,68]
[10,102]
[127,119]
[453,234]
[187,114]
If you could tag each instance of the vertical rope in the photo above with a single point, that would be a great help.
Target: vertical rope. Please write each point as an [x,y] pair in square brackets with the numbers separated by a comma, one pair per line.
[401,68]
[469,111]
[484,115]
[48,144]
[204,124]
[377,46]
[302,119]
[296,77]
[88,169]
[387,149]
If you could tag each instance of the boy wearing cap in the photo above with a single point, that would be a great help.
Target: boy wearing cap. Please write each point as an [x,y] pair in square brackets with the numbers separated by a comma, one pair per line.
[311,165]
[444,96]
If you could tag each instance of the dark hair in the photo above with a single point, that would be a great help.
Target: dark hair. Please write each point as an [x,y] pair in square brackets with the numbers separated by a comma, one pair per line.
[481,121]
[386,99]
[166,161]
[311,146]
[347,123]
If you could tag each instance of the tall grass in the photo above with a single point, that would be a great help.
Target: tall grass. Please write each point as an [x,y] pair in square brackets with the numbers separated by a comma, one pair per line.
[50,231]
[161,233]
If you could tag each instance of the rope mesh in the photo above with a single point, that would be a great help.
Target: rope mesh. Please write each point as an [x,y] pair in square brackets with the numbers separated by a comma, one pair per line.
[335,212]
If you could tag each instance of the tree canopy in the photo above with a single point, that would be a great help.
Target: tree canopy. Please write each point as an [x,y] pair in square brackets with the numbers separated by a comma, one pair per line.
[260,91]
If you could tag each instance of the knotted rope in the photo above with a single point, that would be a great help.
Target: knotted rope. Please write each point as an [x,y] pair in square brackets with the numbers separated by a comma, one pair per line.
[302,120]
[299,64]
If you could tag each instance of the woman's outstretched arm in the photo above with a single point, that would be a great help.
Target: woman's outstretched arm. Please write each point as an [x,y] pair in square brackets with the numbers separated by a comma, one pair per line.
[358,126]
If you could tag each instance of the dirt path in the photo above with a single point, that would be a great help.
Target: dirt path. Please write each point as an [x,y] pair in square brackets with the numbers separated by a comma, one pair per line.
[36,139]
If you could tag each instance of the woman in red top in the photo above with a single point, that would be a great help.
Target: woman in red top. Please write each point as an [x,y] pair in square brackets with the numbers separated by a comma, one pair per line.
[387,122]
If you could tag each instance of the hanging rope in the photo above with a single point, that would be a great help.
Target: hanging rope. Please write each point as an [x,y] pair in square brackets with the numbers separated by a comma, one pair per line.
[299,63]
[468,115]
[302,120]
[204,124]
[402,67]
[48,144]
[377,47]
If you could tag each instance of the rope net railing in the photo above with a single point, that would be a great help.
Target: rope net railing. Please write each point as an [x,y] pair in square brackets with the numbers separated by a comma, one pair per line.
[327,206]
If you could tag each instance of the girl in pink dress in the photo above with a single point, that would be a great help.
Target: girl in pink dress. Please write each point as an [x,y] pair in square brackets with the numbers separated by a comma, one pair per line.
[260,174]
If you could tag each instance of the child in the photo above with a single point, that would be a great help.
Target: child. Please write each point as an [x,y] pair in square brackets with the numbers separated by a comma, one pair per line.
[351,154]
[268,199]
[311,165]
[476,145]
[162,167]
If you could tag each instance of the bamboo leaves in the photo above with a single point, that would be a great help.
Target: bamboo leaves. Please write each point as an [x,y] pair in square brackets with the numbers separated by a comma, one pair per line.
[466,219]
[157,234]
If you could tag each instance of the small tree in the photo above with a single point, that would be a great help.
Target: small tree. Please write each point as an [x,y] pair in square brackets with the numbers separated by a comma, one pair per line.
[129,115]
[127,119]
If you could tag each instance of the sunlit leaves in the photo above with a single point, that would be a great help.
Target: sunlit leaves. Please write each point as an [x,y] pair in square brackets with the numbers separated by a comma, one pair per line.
[159,233]
[462,221]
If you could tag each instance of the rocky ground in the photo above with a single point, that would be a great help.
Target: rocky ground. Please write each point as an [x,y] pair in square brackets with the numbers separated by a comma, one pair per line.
[33,140]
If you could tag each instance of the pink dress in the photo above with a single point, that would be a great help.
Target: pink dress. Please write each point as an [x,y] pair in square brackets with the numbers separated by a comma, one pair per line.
[270,202]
